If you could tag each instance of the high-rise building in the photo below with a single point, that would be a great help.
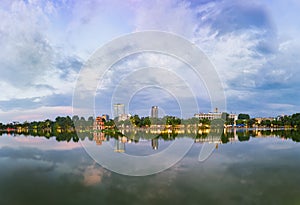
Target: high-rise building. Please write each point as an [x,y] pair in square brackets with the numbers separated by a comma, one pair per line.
[154,112]
[119,109]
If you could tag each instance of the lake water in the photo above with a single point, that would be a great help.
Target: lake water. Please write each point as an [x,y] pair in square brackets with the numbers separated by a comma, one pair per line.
[261,168]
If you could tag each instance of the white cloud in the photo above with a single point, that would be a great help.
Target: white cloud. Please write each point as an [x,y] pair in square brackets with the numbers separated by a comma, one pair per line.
[238,43]
[40,113]
[93,175]
[253,45]
[157,79]
[32,66]
[43,144]
[168,15]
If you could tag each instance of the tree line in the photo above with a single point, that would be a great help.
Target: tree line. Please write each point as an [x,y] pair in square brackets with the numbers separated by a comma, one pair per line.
[67,124]
[289,121]
[60,124]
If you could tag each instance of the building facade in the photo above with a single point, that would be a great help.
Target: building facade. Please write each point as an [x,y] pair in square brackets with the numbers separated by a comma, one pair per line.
[154,112]
[216,115]
[119,109]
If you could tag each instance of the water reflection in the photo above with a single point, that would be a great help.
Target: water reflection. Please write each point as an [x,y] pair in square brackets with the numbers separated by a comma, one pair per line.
[56,170]
[146,142]
[135,136]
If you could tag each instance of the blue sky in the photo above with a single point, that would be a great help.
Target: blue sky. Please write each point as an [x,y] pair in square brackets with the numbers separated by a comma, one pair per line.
[254,46]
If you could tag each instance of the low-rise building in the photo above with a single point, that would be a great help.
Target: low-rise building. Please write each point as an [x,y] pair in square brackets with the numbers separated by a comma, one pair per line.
[216,115]
[124,117]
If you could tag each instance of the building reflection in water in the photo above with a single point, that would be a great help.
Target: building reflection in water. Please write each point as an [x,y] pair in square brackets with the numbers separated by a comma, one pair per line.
[99,137]
[154,143]
[202,136]
[119,146]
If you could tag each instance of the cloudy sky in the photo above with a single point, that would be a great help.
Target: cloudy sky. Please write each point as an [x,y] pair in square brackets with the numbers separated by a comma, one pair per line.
[253,45]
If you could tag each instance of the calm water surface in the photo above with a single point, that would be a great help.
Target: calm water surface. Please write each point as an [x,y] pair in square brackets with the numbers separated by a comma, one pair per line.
[259,170]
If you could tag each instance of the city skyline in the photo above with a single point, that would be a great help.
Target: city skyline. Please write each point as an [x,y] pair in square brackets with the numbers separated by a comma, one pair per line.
[149,102]
[253,45]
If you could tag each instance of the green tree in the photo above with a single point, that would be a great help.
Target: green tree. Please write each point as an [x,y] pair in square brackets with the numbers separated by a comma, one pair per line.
[243,116]
[240,121]
[147,122]
[171,120]
[110,123]
[205,121]
[252,122]
[135,120]
[75,118]
[266,123]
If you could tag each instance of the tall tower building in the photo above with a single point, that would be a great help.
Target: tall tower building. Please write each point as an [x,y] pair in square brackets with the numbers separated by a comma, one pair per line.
[119,109]
[154,112]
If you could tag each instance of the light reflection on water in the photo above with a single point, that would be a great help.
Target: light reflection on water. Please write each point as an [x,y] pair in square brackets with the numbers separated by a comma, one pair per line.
[255,170]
